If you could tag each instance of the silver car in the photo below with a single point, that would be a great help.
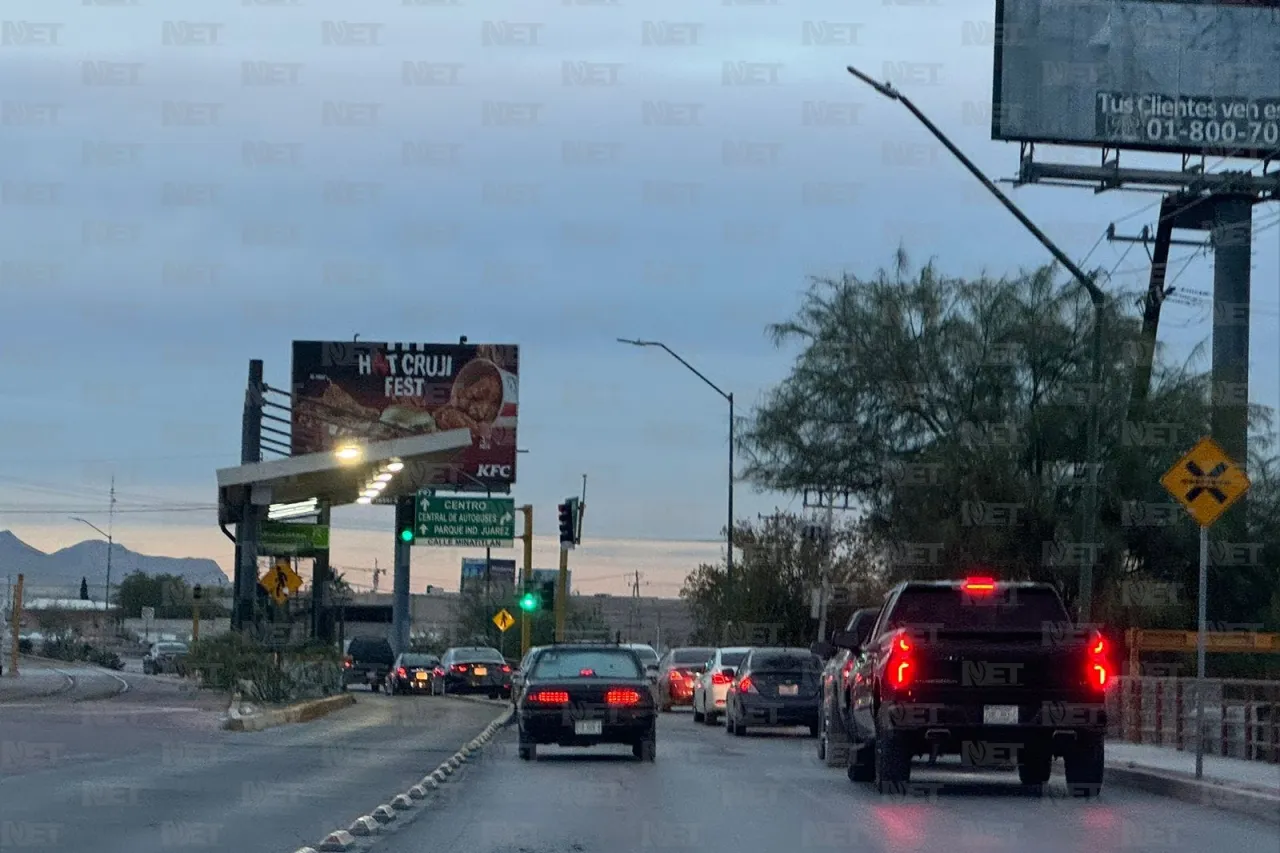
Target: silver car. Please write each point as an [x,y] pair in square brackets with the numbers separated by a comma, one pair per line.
[165,657]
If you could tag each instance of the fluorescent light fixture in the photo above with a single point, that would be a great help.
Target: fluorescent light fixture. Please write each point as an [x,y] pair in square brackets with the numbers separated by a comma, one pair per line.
[371,493]
[384,478]
[277,512]
[378,486]
[395,467]
[364,500]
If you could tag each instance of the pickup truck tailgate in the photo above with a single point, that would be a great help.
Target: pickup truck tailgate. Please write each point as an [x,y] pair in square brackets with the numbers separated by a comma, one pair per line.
[1007,664]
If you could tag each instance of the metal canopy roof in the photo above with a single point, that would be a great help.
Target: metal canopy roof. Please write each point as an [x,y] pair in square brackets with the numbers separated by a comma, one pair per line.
[337,482]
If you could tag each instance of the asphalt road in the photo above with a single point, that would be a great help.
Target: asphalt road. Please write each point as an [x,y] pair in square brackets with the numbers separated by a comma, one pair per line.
[766,793]
[151,770]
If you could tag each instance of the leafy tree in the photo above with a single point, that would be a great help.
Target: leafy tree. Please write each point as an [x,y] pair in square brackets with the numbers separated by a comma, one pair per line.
[773,581]
[84,589]
[954,412]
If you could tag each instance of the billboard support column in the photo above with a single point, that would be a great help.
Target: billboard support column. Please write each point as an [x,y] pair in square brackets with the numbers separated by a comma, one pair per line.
[246,577]
[320,575]
[1232,233]
[400,616]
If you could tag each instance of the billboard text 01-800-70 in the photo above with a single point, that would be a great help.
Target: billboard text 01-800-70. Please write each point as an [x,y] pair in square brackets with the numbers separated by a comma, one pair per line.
[1159,76]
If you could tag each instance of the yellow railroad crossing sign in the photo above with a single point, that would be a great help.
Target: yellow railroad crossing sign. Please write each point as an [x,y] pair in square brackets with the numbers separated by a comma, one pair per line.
[1206,482]
[281,581]
[503,620]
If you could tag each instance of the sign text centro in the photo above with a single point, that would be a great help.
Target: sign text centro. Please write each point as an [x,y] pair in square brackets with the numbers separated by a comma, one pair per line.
[455,522]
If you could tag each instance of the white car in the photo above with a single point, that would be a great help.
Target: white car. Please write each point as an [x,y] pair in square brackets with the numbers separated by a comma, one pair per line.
[712,687]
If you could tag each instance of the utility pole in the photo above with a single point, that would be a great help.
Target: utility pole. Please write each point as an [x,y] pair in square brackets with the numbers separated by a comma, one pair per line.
[15,616]
[111,520]
[635,609]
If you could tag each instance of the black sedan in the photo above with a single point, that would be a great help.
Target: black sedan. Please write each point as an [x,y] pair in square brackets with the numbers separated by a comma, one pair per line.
[476,669]
[587,695]
[414,672]
[775,687]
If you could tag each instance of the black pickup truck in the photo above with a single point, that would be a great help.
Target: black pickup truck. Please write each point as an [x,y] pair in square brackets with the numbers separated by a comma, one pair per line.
[992,671]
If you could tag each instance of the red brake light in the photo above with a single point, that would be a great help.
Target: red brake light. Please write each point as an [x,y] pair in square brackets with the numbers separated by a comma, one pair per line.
[586,673]
[745,685]
[506,668]
[979,586]
[550,697]
[401,672]
[459,667]
[900,667]
[720,678]
[439,670]
[1099,672]
[622,697]
[346,663]
[847,668]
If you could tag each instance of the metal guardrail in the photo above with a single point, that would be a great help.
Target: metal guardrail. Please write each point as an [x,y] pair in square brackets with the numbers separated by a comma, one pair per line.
[1242,718]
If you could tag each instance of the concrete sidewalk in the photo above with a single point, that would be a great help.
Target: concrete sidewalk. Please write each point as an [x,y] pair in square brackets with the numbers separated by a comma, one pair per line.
[35,679]
[1247,787]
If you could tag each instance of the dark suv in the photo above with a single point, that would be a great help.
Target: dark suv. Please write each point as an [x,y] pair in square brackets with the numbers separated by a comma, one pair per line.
[367,660]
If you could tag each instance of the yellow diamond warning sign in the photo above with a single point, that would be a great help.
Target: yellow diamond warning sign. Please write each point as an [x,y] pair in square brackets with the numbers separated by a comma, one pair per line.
[1206,482]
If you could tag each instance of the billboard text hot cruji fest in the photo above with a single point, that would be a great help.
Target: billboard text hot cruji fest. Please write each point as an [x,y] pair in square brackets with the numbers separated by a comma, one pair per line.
[364,391]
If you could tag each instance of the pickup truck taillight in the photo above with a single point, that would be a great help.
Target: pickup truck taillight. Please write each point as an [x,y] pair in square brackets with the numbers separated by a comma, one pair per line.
[900,668]
[1099,673]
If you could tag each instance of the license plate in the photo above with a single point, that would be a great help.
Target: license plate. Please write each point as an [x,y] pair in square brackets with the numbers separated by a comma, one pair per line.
[588,727]
[1000,715]
[480,670]
[421,676]
[788,690]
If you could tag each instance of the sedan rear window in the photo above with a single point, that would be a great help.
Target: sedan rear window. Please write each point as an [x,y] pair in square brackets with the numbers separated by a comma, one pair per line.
[786,662]
[573,663]
[687,657]
[419,660]
[731,658]
[478,656]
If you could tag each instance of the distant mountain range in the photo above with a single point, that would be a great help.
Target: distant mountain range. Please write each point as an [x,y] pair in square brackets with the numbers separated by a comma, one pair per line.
[88,559]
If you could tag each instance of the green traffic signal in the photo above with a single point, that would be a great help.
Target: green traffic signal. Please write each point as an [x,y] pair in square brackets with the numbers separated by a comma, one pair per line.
[406,535]
[529,602]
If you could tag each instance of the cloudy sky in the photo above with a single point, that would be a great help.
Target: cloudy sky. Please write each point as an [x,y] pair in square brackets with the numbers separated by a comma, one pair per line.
[183,195]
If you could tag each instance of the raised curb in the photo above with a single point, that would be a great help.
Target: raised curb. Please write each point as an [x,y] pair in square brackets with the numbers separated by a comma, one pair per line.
[364,826]
[1256,804]
[376,822]
[303,712]
[338,842]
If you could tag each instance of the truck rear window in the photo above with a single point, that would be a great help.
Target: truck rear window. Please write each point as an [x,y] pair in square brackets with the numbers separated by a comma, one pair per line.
[1005,610]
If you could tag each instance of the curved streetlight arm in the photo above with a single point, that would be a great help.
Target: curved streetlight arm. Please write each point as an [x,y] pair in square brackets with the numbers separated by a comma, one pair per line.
[91,524]
[672,353]
[1086,281]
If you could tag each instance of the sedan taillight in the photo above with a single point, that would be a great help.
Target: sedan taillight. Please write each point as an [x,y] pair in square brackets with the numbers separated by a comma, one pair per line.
[549,697]
[720,678]
[622,697]
[438,671]
[459,667]
[346,662]
[401,672]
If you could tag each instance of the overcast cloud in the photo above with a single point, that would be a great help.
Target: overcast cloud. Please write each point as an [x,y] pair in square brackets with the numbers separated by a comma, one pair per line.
[527,172]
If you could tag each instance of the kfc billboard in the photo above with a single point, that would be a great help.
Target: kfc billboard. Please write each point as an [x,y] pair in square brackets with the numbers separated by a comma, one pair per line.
[1175,76]
[368,392]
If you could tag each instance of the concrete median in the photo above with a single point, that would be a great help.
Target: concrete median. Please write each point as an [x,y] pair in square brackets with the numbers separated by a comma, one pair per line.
[302,712]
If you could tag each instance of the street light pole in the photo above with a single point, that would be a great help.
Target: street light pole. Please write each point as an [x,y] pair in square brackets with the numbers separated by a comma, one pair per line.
[1096,296]
[106,602]
[728,398]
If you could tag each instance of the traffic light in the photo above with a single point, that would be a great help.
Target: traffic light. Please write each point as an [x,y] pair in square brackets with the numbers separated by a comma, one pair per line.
[549,595]
[569,524]
[405,508]
[529,602]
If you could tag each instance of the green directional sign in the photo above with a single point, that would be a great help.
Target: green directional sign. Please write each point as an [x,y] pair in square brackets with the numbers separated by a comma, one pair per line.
[280,538]
[464,522]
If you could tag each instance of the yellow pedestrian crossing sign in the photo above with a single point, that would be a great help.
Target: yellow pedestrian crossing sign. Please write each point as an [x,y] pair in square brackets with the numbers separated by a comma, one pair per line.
[281,581]
[1206,482]
[503,620]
